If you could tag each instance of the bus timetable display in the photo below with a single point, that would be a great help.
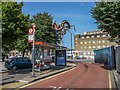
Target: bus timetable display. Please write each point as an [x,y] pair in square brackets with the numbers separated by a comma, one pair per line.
[60,58]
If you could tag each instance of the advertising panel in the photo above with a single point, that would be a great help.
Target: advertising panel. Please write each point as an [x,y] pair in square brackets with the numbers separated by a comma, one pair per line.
[60,58]
[46,54]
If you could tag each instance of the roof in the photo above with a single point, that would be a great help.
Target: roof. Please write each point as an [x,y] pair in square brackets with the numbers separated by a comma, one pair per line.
[51,46]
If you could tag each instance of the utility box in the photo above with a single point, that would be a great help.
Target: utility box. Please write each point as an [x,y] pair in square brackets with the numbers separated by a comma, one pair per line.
[118,59]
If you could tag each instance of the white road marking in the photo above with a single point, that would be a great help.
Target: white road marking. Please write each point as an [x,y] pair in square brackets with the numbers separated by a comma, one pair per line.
[22,81]
[53,87]
[56,88]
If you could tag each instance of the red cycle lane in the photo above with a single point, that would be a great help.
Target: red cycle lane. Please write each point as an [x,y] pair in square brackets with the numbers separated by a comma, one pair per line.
[85,75]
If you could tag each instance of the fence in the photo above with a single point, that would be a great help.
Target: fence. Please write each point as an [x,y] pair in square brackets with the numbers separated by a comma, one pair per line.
[105,56]
[118,59]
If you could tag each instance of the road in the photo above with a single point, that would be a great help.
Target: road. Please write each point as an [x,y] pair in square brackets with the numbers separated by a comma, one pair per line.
[85,75]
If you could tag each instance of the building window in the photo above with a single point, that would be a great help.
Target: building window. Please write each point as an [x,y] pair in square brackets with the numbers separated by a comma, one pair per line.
[98,46]
[87,37]
[16,53]
[93,41]
[92,53]
[82,37]
[76,42]
[103,46]
[20,54]
[108,41]
[104,35]
[93,46]
[91,33]
[98,41]
[81,47]
[92,36]
[10,54]
[84,53]
[103,41]
[88,53]
[89,41]
[108,45]
[13,54]
[98,35]
[85,47]
[89,46]
[97,32]
[76,45]
[81,42]
[80,53]
[85,42]
[75,38]
[108,35]
[94,32]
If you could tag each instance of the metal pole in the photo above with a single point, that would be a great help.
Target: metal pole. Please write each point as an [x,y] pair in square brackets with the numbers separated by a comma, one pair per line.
[71,45]
[60,40]
[33,56]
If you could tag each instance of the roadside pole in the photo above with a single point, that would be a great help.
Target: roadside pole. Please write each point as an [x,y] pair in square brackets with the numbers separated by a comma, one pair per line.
[71,46]
[33,52]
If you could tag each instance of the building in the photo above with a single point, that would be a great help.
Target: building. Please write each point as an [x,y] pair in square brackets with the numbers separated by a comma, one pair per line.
[70,53]
[89,41]
[15,53]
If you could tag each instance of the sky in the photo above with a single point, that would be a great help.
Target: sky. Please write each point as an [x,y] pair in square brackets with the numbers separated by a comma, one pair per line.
[76,13]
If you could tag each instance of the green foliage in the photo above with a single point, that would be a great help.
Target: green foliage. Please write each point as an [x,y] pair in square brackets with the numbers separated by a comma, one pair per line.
[44,31]
[14,24]
[107,16]
[22,45]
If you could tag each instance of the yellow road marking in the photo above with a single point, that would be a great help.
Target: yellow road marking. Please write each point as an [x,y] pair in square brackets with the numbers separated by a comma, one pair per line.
[46,78]
[110,86]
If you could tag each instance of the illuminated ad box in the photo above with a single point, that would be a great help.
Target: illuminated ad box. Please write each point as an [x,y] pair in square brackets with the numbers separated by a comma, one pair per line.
[60,59]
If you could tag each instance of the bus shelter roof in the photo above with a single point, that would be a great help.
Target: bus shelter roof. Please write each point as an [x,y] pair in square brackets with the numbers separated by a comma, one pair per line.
[48,45]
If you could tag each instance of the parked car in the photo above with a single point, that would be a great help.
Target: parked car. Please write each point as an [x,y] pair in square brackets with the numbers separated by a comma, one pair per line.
[18,63]
[77,57]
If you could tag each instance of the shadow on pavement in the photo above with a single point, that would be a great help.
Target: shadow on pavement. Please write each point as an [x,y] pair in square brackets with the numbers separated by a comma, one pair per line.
[14,81]
[20,71]
[106,67]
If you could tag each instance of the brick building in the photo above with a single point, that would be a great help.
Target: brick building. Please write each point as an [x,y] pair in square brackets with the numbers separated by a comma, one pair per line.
[89,41]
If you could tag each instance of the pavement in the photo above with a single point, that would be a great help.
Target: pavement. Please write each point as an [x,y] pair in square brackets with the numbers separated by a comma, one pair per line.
[28,78]
[117,78]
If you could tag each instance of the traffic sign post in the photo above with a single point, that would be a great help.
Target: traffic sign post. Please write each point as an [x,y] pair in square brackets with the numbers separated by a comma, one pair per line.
[31,38]
[33,53]
[30,35]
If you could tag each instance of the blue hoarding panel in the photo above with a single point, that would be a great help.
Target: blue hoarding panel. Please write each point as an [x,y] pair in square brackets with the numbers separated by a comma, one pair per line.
[105,56]
[60,58]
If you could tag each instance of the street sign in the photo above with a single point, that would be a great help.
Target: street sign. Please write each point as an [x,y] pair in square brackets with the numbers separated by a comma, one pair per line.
[34,25]
[30,31]
[30,38]
[60,58]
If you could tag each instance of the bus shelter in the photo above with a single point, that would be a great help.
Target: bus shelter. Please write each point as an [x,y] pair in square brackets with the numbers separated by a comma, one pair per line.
[42,53]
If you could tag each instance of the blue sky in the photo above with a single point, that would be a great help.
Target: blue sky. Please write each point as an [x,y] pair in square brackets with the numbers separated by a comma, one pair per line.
[76,13]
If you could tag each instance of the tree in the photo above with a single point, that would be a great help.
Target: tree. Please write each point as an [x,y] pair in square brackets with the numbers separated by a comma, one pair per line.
[22,45]
[0,29]
[14,24]
[107,16]
[44,31]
